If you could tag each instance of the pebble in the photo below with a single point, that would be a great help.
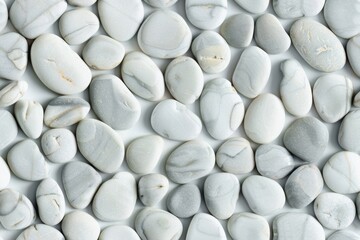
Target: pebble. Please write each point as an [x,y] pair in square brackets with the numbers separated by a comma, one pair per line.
[30,116]
[205,226]
[303,186]
[221,192]
[306,138]
[297,8]
[258,191]
[211,52]
[356,101]
[184,79]
[164,34]
[184,201]
[81,3]
[323,52]
[152,188]
[252,6]
[13,55]
[16,210]
[27,162]
[142,76]
[3,15]
[206,14]
[33,18]
[59,145]
[50,201]
[40,232]
[65,111]
[334,211]
[78,25]
[7,121]
[118,232]
[121,18]
[116,198]
[80,225]
[120,103]
[80,183]
[238,30]
[143,153]
[252,72]
[58,67]
[103,53]
[244,226]
[190,161]
[222,109]
[349,132]
[343,235]
[12,92]
[156,224]
[264,118]
[161,3]
[340,172]
[5,174]
[235,156]
[270,34]
[353,50]
[168,115]
[100,145]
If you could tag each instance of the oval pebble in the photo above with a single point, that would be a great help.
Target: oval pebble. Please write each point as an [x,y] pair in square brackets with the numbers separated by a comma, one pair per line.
[160,3]
[7,121]
[80,225]
[81,3]
[205,226]
[12,92]
[353,50]
[343,235]
[297,8]
[40,232]
[184,201]
[349,132]
[118,232]
[252,6]
[30,117]
[5,174]
[3,15]
[152,188]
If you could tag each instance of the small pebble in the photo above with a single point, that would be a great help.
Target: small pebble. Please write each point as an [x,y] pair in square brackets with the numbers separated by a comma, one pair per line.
[343,235]
[3,15]
[184,201]
[81,3]
[40,232]
[160,3]
[5,174]
[353,50]
[357,203]
[252,6]
[12,92]
[356,101]
[118,232]
[7,121]
[297,8]
[30,117]
[78,225]
[152,188]
[205,226]
[349,132]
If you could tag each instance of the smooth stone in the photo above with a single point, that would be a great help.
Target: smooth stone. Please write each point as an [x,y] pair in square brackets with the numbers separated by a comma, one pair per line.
[152,188]
[295,89]
[3,15]
[357,203]
[353,50]
[221,192]
[205,226]
[306,138]
[100,145]
[160,3]
[190,161]
[7,121]
[108,206]
[27,162]
[349,132]
[245,226]
[120,109]
[13,55]
[12,92]
[343,235]
[59,145]
[5,174]
[80,225]
[118,232]
[142,76]
[297,226]
[206,14]
[184,79]
[164,34]
[270,34]
[143,153]
[121,18]
[78,25]
[303,186]
[235,156]
[65,111]
[252,6]
[264,119]
[81,3]
[33,18]
[334,211]
[156,224]
[184,201]
[252,72]
[16,210]
[168,115]
[103,53]
[324,52]
[40,232]
[50,201]
[340,172]
[80,182]
[238,30]
[356,101]
[211,52]
[259,191]
[30,117]
[297,8]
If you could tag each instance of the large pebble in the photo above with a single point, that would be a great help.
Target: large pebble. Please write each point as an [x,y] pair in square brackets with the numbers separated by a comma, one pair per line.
[30,117]
[190,161]
[349,132]
[184,201]
[40,232]
[8,128]
[264,118]
[3,15]
[142,76]
[319,47]
[80,225]
[252,6]
[118,232]
[160,3]
[297,8]
[5,174]
[238,30]
[81,3]
[205,226]
[353,50]
[12,92]
[58,66]
[120,109]
[211,51]
[100,145]
[306,138]
[343,235]
[252,72]
[164,34]
[152,188]
[169,114]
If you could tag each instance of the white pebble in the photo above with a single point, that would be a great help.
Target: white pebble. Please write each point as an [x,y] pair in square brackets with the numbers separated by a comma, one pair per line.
[297,8]
[353,50]
[160,3]
[252,6]
[3,15]
[78,225]
[7,121]
[30,117]
[5,174]
[40,232]
[205,226]
[184,201]
[344,235]
[349,136]
[81,3]
[118,232]
[152,188]
[12,92]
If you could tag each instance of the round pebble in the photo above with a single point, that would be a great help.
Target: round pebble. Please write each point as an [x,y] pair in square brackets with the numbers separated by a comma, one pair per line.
[7,121]
[5,174]
[81,3]
[297,8]
[118,232]
[78,225]
[3,15]
[152,188]
[238,30]
[349,132]
[252,6]
[40,232]
[184,201]
[12,92]
[161,3]
[205,226]
[343,235]
[30,117]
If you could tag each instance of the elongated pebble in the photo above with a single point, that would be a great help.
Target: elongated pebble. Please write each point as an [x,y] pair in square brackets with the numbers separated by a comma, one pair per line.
[238,30]
[184,201]
[8,128]
[356,101]
[344,234]
[30,117]
[205,226]
[81,3]
[12,92]
[40,232]
[152,188]
[4,15]
[349,132]
[160,3]
[244,226]
[297,8]
[118,232]
[352,50]
[80,225]
[5,174]
[257,7]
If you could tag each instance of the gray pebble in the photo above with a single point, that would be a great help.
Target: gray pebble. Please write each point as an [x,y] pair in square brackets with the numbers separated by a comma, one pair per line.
[343,235]
[152,188]
[80,225]
[40,232]
[118,232]
[30,116]
[297,8]
[356,101]
[238,30]
[7,121]
[184,201]
[349,132]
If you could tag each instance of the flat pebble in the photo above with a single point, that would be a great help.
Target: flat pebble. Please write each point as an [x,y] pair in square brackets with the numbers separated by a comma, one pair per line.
[160,3]
[5,174]
[30,117]
[7,121]
[349,132]
[120,109]
[353,50]
[184,201]
[211,51]
[238,30]
[297,8]
[4,15]
[152,188]
[168,115]
[190,161]
[205,226]
[118,232]
[81,3]
[12,92]
[252,6]
[40,232]
[80,225]
[343,235]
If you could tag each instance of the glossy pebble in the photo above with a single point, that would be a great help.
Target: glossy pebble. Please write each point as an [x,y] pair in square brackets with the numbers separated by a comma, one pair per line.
[152,188]
[238,30]
[30,116]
